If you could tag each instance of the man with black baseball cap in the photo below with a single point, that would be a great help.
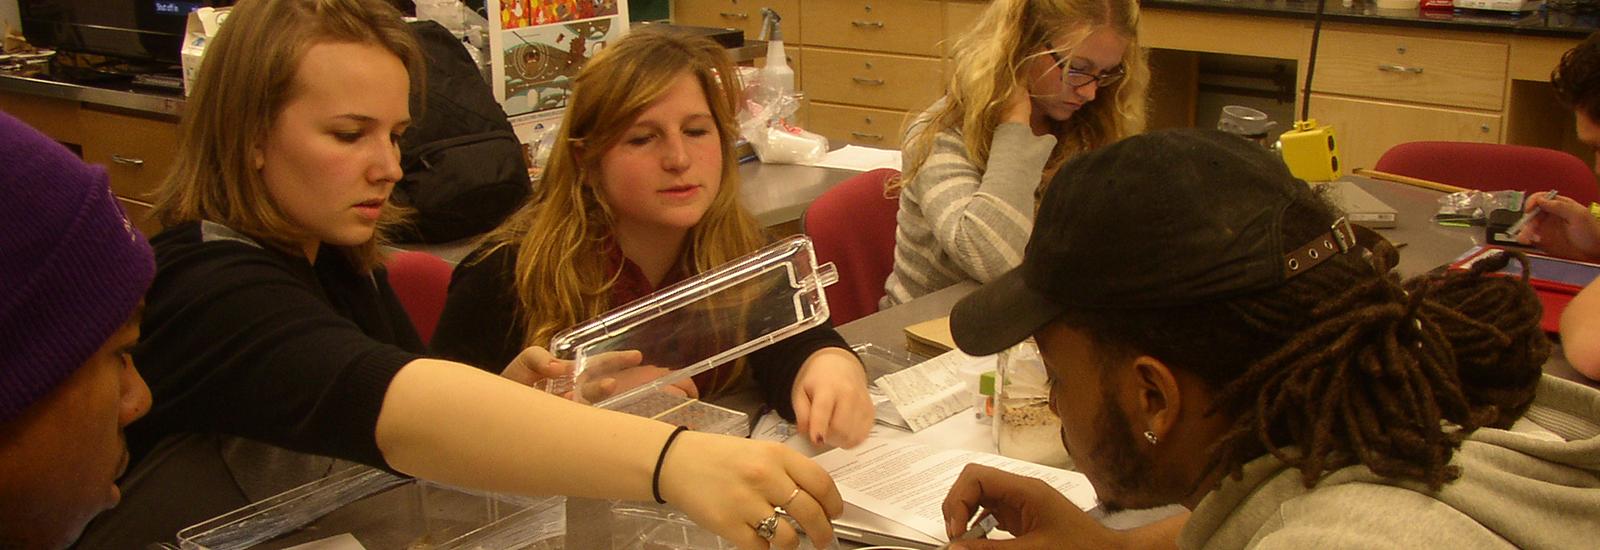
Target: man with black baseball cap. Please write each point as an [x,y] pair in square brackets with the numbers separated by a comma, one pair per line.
[1217,338]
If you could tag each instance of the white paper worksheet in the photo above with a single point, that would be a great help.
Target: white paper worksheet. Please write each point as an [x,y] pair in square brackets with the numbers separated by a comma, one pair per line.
[907,481]
[932,390]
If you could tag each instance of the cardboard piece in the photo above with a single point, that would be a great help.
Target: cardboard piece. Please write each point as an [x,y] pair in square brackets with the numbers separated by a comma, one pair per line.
[203,24]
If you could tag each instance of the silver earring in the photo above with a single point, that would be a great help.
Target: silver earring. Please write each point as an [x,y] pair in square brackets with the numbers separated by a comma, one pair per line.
[1151,436]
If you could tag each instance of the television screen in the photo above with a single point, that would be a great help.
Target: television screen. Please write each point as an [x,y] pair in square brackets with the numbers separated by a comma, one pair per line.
[148,31]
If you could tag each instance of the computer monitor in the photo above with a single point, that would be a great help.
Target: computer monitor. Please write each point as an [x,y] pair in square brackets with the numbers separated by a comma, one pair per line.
[139,31]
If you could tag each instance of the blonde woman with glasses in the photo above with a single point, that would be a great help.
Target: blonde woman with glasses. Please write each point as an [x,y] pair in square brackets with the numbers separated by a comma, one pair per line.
[1034,82]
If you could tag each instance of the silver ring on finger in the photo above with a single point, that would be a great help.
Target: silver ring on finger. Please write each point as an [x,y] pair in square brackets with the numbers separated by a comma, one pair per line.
[792,494]
[768,527]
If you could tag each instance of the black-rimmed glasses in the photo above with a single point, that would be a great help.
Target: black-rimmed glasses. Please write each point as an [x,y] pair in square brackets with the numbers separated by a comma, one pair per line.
[1075,78]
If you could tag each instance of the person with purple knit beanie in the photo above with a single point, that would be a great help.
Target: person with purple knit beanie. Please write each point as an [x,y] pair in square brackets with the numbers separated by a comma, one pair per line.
[73,273]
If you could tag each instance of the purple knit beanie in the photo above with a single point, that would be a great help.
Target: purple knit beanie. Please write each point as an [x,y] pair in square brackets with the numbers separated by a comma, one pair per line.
[72,268]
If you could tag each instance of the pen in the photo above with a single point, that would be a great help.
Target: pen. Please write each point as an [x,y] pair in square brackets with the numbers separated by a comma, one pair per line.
[978,530]
[1517,227]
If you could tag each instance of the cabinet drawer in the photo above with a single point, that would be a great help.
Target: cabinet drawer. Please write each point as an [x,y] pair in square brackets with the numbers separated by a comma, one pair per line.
[874,80]
[139,214]
[903,26]
[844,124]
[56,118]
[959,17]
[1365,129]
[1408,68]
[744,15]
[137,152]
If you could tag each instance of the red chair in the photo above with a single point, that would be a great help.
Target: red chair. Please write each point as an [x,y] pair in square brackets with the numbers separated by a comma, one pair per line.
[1493,167]
[421,281]
[853,225]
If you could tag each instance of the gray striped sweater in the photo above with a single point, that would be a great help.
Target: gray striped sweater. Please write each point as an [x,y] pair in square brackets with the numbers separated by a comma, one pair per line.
[958,223]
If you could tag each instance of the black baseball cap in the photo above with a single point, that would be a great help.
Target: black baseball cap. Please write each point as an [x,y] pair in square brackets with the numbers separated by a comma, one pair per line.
[1162,219]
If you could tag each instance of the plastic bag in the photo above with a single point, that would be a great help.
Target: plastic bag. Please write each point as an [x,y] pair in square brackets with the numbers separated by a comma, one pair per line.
[1473,207]
[769,129]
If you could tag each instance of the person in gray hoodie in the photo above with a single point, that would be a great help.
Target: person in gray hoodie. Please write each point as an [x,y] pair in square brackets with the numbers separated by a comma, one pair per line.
[1218,336]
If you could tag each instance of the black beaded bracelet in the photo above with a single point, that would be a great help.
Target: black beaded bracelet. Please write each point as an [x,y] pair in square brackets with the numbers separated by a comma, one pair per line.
[655,478]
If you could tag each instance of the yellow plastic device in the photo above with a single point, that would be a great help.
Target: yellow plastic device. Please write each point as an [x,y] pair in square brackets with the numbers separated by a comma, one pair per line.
[1310,151]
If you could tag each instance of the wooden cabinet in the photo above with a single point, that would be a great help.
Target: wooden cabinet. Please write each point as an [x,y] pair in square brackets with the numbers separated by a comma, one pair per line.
[136,151]
[1381,89]
[1416,69]
[744,15]
[1367,127]
[1379,85]
[864,65]
[859,125]
[882,80]
[901,26]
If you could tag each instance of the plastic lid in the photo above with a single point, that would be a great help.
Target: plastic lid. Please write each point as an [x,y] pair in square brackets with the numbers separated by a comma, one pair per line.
[986,383]
[706,320]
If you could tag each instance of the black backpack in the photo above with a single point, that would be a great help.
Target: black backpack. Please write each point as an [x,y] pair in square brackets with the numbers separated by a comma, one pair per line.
[464,169]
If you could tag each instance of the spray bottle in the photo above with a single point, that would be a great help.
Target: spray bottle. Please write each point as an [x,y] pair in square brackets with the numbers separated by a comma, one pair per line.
[777,79]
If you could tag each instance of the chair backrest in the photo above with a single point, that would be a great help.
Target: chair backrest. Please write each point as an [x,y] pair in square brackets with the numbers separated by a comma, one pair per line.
[421,281]
[852,225]
[1493,167]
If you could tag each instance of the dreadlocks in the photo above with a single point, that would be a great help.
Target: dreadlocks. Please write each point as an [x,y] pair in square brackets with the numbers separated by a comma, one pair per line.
[1345,365]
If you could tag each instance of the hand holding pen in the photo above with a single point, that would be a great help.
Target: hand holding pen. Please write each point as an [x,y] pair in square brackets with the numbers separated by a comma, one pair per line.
[1559,226]
[1036,513]
[1530,210]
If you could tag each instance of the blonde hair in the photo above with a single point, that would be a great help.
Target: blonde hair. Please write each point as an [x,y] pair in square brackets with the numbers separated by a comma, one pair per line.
[560,279]
[988,62]
[245,80]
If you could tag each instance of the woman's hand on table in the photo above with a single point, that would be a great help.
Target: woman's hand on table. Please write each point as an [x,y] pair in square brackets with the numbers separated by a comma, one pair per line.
[729,485]
[1562,228]
[1032,510]
[606,373]
[831,403]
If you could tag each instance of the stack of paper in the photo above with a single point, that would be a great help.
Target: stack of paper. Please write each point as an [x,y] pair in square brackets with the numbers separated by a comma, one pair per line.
[930,338]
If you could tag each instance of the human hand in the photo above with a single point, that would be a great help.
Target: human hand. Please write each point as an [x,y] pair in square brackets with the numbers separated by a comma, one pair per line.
[1562,228]
[534,366]
[1019,107]
[1029,508]
[605,374]
[831,404]
[728,485]
[628,378]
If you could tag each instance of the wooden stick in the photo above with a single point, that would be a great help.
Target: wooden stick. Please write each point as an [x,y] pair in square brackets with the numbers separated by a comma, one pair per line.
[1408,180]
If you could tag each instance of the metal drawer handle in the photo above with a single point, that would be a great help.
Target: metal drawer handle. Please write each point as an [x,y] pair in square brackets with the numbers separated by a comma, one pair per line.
[860,24]
[734,15]
[867,81]
[1392,68]
[126,161]
[874,137]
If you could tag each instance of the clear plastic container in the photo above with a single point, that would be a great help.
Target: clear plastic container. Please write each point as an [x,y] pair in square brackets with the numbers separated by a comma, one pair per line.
[705,321]
[1024,426]
[379,509]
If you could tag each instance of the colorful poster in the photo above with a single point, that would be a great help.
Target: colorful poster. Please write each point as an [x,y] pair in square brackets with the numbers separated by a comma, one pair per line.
[516,14]
[539,45]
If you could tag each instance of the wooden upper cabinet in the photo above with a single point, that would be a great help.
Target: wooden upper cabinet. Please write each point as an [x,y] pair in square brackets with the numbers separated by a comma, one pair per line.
[913,27]
[744,15]
[1438,71]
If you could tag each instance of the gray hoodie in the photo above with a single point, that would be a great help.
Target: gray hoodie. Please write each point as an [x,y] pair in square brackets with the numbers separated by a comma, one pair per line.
[1536,485]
